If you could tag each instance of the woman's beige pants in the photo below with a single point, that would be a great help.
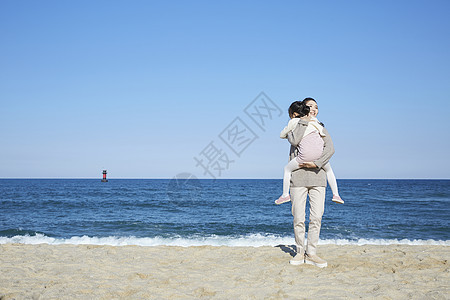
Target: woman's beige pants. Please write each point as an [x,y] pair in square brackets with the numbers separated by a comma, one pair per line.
[317,205]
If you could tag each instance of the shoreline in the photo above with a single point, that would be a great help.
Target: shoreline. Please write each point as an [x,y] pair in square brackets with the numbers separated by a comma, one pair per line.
[251,240]
[172,272]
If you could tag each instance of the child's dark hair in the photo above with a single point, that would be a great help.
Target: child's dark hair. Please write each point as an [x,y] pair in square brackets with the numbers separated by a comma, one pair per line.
[298,107]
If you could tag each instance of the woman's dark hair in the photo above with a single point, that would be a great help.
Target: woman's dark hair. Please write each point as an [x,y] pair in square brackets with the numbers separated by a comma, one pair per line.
[309,99]
[298,107]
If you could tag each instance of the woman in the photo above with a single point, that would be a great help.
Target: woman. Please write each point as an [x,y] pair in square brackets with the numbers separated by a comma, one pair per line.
[310,180]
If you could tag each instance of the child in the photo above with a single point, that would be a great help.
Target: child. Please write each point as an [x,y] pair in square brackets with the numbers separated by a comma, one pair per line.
[297,110]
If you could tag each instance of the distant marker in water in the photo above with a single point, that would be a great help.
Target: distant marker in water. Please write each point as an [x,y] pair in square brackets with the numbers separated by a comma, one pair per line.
[104,176]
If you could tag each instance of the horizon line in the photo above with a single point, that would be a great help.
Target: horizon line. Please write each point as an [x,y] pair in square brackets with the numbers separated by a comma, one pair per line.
[158,178]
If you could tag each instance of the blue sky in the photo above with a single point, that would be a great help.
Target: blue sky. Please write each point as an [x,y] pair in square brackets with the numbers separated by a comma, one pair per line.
[141,88]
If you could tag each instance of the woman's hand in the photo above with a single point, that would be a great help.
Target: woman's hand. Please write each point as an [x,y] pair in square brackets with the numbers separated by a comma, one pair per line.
[309,165]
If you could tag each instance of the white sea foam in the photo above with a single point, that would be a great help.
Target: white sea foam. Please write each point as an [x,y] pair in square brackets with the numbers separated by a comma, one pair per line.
[361,242]
[253,240]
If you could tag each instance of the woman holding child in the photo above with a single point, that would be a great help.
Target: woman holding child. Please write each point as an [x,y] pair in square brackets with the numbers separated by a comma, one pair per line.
[310,179]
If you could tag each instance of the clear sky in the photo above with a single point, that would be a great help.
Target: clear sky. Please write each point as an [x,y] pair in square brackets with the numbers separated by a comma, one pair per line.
[144,88]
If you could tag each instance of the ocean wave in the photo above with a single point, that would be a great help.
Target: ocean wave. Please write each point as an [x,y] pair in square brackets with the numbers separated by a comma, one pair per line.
[253,240]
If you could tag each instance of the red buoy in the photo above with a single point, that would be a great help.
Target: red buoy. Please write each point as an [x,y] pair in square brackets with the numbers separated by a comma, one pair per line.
[104,176]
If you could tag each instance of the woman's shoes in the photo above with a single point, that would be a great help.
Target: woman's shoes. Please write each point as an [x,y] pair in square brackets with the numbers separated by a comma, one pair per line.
[337,199]
[282,199]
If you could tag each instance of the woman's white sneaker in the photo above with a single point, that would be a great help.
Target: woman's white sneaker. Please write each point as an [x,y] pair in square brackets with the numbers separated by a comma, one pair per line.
[298,259]
[314,260]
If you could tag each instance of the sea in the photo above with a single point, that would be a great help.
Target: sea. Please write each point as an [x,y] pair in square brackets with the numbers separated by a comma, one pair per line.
[223,212]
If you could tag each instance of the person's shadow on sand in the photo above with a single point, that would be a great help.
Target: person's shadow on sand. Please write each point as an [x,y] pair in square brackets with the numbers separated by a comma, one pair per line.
[291,249]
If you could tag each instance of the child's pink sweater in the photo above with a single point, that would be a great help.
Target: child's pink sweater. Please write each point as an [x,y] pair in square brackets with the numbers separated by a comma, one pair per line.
[310,147]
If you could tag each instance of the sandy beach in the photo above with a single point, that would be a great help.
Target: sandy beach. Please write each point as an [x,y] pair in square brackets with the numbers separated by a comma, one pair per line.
[134,272]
